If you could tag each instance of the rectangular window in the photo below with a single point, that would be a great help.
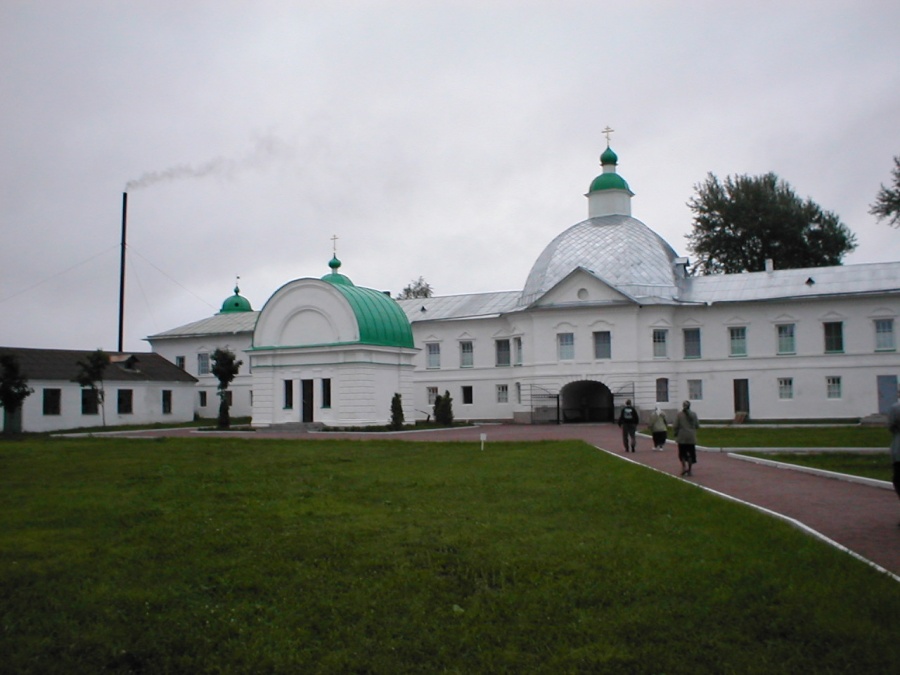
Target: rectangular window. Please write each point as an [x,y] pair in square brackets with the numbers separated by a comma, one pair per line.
[203,364]
[884,335]
[660,343]
[179,361]
[433,355]
[517,351]
[229,397]
[467,396]
[737,338]
[695,390]
[692,343]
[833,386]
[167,401]
[834,337]
[785,387]
[52,401]
[662,390]
[124,405]
[432,394]
[518,392]
[288,394]
[90,402]
[502,393]
[502,349]
[202,398]
[602,345]
[326,392]
[466,354]
[565,346]
[786,344]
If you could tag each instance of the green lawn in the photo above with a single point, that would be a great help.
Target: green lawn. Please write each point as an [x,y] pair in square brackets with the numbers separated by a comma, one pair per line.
[248,556]
[794,437]
[867,465]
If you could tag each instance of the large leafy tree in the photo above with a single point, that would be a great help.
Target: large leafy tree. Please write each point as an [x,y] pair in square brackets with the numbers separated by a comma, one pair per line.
[14,390]
[887,201]
[416,289]
[743,220]
[90,376]
[225,367]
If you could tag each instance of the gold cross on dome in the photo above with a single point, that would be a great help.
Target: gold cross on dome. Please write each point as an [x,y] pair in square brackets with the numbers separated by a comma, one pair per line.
[607,131]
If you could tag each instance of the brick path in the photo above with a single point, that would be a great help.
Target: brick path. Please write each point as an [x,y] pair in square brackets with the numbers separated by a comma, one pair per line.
[861,518]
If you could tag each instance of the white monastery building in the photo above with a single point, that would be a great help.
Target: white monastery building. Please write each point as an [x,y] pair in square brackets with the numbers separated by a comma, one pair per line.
[608,312]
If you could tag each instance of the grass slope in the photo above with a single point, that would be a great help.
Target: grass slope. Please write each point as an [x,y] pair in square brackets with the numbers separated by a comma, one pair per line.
[233,556]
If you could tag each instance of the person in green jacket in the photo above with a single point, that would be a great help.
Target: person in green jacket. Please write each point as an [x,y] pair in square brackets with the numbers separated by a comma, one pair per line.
[686,425]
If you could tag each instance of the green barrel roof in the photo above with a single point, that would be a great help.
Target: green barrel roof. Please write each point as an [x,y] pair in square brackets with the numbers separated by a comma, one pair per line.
[379,317]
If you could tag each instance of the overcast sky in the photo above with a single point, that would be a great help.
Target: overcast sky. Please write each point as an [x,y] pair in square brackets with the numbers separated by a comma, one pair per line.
[450,140]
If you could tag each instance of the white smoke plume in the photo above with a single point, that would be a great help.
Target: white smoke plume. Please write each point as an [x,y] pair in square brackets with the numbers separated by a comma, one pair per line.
[266,151]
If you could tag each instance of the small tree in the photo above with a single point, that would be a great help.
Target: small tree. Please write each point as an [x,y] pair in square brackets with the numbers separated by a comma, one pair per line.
[416,289]
[887,201]
[90,374]
[443,409]
[14,390]
[225,367]
[396,412]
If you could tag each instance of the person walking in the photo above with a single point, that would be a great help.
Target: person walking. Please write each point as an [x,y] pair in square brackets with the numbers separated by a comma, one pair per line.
[894,427]
[628,421]
[659,427]
[685,429]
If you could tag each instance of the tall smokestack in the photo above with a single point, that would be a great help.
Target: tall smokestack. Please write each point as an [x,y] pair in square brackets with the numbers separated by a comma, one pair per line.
[122,274]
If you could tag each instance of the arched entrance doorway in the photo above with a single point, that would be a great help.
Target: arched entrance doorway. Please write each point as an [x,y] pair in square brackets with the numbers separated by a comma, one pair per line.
[586,401]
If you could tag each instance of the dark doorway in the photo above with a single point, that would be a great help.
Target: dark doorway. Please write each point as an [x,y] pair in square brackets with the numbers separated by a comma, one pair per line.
[742,398]
[586,401]
[306,398]
[887,392]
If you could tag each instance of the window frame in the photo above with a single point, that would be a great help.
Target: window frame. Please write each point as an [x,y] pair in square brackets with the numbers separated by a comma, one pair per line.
[51,401]
[833,332]
[692,344]
[90,401]
[500,352]
[833,387]
[565,346]
[125,401]
[466,354]
[166,401]
[885,340]
[467,394]
[695,390]
[737,341]
[203,363]
[602,344]
[432,355]
[785,388]
[502,393]
[786,338]
[660,341]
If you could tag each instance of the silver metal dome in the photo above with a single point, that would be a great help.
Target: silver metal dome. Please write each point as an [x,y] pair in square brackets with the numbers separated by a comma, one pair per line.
[619,249]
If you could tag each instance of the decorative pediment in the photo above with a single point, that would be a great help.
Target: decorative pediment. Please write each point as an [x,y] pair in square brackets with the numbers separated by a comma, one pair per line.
[581,286]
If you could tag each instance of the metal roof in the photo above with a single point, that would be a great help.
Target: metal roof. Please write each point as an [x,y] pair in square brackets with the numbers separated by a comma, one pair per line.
[808,282]
[447,307]
[617,248]
[62,364]
[220,324]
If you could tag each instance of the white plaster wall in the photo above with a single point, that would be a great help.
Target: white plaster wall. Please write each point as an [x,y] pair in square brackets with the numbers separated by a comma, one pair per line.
[146,404]
[190,347]
[633,361]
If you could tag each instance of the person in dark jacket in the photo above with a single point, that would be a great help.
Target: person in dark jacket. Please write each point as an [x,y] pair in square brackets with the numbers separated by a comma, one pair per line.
[628,420]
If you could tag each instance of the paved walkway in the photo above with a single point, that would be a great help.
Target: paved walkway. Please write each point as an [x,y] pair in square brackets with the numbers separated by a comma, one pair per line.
[861,518]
